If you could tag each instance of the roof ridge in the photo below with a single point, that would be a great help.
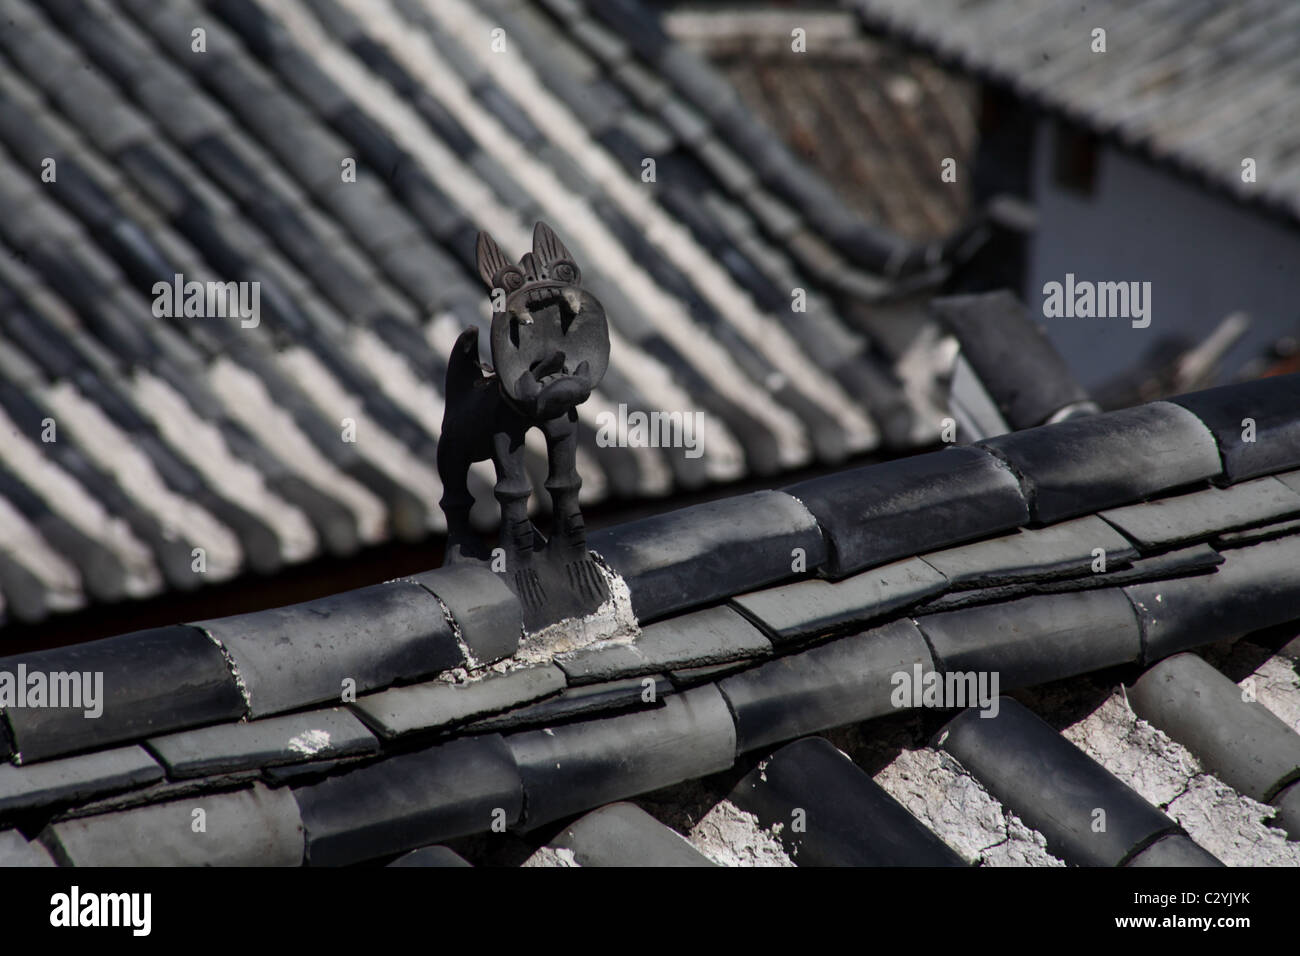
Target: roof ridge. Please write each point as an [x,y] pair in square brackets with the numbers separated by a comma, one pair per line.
[890,515]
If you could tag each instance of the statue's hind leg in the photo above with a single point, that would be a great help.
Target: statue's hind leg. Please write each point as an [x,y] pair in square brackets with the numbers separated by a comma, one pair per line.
[453,470]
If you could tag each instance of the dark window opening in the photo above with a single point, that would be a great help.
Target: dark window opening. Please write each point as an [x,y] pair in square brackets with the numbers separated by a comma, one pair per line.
[1074,159]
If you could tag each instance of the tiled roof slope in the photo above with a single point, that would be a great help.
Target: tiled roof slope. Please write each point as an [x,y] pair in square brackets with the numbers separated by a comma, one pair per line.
[386,719]
[875,120]
[132,439]
[1201,86]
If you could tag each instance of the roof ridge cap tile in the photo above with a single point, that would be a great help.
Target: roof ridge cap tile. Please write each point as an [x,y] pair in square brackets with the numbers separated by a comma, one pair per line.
[688,557]
[1271,404]
[977,497]
[232,666]
[140,672]
[758,710]
[486,617]
[1087,464]
[302,654]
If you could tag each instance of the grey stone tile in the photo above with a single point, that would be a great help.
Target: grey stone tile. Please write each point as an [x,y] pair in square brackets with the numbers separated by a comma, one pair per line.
[255,827]
[1064,549]
[224,748]
[1099,461]
[1241,742]
[15,850]
[1174,850]
[97,112]
[578,766]
[588,700]
[782,222]
[1036,639]
[73,779]
[708,552]
[1270,404]
[688,125]
[600,43]
[431,856]
[1287,803]
[402,710]
[902,508]
[487,613]
[1199,559]
[153,682]
[1052,785]
[365,208]
[732,171]
[1255,588]
[179,107]
[1023,372]
[842,682]
[1169,521]
[1265,532]
[857,822]
[293,656]
[816,607]
[410,801]
[694,676]
[622,834]
[712,636]
[696,78]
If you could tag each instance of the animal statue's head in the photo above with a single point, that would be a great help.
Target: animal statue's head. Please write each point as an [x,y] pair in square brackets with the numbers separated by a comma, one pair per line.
[550,339]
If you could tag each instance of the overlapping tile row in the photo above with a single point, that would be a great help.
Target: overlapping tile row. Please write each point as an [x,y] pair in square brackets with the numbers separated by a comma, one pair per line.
[134,149]
[872,118]
[404,714]
[1160,86]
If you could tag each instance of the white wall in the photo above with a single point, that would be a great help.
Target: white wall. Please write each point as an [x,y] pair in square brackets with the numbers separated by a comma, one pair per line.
[1204,254]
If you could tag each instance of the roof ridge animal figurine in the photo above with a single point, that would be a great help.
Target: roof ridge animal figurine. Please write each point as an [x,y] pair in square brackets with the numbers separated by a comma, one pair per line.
[550,349]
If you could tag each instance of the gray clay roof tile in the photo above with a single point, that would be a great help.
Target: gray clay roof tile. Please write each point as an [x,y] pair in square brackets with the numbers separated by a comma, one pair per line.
[292,738]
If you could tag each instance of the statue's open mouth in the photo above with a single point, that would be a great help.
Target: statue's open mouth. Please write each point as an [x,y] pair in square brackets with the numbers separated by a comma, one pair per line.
[540,296]
[529,302]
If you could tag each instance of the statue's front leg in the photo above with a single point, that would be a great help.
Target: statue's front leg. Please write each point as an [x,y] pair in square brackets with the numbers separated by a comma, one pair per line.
[512,492]
[563,483]
[569,533]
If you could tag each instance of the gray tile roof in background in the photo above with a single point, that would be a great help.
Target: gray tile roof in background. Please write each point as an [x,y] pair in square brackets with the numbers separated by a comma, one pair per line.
[734,661]
[873,119]
[224,165]
[1200,86]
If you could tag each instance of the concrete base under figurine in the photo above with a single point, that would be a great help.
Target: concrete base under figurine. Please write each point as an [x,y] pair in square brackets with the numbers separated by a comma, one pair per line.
[609,621]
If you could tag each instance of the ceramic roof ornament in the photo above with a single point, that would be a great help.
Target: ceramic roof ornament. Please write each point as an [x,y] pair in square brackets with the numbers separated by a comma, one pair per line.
[550,348]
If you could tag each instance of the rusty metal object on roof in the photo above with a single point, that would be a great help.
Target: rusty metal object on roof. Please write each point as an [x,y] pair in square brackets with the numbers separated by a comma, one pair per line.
[550,349]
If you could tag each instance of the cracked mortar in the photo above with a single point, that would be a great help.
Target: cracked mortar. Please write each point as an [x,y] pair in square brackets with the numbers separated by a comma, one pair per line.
[939,792]
[1231,826]
[611,623]
[730,836]
[552,856]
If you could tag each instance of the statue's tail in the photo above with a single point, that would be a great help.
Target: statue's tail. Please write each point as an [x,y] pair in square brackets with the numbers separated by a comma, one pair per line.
[463,368]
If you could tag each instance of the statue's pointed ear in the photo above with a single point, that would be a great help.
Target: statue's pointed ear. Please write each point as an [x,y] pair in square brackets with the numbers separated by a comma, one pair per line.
[491,259]
[547,246]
